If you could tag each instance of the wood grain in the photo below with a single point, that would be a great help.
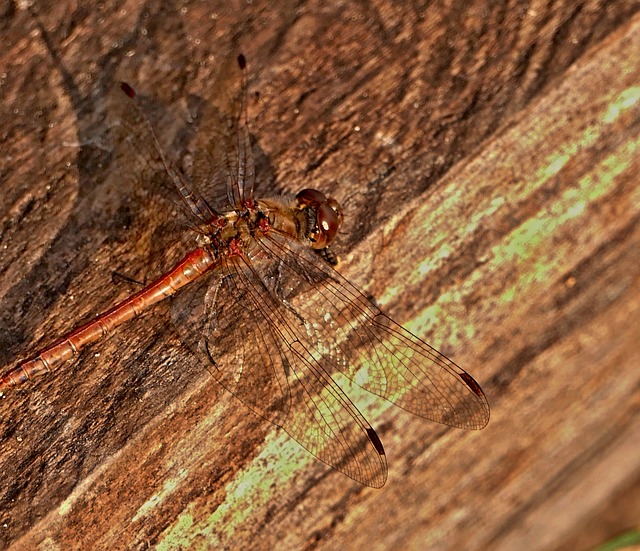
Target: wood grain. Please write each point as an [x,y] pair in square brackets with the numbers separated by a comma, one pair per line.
[486,157]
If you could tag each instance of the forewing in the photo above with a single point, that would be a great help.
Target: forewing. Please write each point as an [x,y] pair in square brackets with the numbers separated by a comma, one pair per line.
[141,164]
[368,347]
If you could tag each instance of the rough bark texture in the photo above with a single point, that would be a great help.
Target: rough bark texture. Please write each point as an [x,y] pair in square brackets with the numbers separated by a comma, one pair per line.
[486,154]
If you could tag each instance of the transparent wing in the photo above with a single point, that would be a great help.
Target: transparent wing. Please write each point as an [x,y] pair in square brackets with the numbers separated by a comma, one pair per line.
[150,146]
[260,352]
[279,322]
[370,348]
[223,164]
[158,212]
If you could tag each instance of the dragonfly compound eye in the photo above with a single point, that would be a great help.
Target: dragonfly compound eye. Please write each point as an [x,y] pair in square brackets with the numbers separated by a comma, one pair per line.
[324,217]
[329,218]
[310,198]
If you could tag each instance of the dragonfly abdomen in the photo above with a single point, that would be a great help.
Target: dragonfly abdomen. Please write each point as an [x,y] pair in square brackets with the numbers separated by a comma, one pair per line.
[194,265]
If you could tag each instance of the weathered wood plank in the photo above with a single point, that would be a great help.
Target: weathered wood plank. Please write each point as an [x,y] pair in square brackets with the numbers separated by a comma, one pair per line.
[486,156]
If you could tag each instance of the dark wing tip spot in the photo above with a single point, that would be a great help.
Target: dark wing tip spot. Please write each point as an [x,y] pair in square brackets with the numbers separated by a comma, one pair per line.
[471,383]
[375,440]
[127,90]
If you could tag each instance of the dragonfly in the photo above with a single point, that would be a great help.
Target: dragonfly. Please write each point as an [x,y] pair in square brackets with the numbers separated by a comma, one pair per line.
[264,307]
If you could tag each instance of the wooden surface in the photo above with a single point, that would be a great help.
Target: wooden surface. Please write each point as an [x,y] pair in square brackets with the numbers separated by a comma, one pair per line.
[486,155]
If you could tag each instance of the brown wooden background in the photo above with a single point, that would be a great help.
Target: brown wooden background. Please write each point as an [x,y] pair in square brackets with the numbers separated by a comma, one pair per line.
[486,156]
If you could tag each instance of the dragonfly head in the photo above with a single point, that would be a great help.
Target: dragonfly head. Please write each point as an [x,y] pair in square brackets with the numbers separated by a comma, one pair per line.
[323,215]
